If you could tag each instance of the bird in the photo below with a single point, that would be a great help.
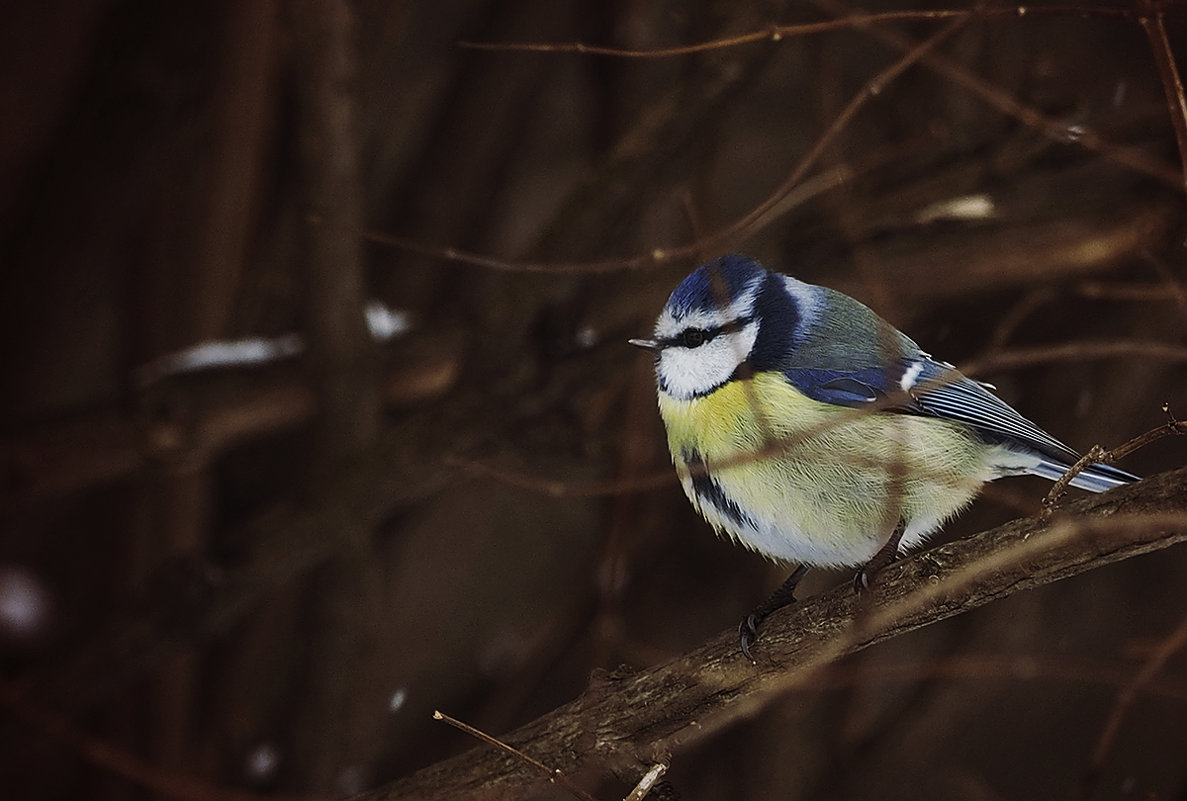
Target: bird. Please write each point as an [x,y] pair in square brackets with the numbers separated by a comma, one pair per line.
[805,427]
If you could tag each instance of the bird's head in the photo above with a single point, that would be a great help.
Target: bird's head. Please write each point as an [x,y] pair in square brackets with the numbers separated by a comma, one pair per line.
[710,327]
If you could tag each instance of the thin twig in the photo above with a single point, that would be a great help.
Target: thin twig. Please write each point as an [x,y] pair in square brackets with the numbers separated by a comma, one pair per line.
[553,774]
[1015,358]
[1094,455]
[1097,454]
[1171,426]
[1152,23]
[776,33]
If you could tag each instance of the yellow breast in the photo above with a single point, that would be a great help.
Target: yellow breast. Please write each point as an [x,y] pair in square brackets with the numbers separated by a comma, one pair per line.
[807,481]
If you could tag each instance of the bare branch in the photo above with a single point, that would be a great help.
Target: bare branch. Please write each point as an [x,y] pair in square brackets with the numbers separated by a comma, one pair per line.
[631,719]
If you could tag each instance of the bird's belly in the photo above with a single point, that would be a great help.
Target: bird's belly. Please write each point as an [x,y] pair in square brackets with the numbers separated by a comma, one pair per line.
[814,483]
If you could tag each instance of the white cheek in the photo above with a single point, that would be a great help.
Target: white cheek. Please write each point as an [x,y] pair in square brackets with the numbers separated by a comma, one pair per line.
[687,372]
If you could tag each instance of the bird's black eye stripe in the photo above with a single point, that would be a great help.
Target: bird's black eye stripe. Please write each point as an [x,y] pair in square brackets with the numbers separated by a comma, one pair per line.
[693,337]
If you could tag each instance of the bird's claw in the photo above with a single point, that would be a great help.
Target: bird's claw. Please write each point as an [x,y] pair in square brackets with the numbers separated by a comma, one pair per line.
[748,634]
[861,583]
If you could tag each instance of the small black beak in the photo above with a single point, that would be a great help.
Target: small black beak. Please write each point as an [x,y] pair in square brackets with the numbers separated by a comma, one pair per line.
[645,344]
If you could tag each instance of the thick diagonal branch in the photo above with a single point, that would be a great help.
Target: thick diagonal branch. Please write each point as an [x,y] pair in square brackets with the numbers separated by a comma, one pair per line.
[624,720]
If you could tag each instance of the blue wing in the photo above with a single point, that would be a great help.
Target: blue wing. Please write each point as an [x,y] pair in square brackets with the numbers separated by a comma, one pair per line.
[922,386]
[854,388]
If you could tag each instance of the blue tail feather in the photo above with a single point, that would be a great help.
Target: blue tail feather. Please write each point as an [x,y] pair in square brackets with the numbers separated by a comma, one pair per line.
[1094,478]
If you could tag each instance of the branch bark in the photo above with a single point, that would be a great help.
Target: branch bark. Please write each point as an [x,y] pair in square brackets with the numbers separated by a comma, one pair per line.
[626,721]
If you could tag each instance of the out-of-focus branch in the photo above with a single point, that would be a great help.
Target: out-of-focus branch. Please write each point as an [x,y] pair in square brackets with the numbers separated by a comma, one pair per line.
[191,420]
[623,721]
[1152,22]
[198,601]
[336,722]
[1006,103]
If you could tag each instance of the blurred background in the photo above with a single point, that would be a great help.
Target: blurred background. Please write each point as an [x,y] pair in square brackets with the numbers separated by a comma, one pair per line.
[272,490]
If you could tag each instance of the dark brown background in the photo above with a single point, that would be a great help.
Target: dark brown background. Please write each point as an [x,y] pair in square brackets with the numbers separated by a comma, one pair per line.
[304,560]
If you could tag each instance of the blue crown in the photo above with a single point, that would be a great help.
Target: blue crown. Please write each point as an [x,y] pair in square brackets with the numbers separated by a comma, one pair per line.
[715,283]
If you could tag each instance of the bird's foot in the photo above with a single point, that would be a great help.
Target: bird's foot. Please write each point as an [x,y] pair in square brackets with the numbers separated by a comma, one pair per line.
[885,555]
[784,596]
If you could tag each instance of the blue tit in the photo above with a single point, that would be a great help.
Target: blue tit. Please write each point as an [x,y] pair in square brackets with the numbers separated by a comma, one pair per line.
[807,428]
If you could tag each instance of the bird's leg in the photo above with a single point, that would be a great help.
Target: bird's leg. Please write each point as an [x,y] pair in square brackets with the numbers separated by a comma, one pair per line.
[785,595]
[885,555]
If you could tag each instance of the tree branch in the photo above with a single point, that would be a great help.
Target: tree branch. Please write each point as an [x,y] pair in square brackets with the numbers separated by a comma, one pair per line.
[627,720]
